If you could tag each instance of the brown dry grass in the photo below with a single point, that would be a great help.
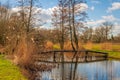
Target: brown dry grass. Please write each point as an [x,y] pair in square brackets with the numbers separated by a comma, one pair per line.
[2,50]
[106,46]
[48,45]
[23,57]
[89,45]
[69,47]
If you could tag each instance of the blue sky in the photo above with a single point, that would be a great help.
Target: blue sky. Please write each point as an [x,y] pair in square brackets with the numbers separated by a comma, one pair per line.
[98,10]
[100,7]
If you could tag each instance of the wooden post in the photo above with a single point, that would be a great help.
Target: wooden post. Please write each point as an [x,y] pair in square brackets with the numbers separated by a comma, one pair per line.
[86,54]
[54,57]
[106,55]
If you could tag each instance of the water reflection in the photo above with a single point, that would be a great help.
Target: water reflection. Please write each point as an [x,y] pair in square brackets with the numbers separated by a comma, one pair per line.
[104,70]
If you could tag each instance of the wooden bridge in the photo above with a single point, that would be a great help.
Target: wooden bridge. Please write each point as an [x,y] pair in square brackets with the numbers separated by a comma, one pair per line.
[68,56]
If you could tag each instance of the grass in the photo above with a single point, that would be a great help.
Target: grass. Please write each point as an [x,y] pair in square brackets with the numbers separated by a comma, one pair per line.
[8,71]
[113,49]
[113,54]
[56,47]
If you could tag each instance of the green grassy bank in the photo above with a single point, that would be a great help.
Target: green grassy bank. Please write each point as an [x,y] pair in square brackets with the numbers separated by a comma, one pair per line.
[111,54]
[8,71]
[112,49]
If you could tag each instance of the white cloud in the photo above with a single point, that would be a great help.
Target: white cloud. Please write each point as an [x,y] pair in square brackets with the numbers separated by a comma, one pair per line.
[35,10]
[109,18]
[16,9]
[92,8]
[43,14]
[115,6]
[46,14]
[95,23]
[95,1]
[117,26]
[83,6]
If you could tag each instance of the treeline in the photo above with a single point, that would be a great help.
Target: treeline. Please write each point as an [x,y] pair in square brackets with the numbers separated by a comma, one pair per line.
[102,33]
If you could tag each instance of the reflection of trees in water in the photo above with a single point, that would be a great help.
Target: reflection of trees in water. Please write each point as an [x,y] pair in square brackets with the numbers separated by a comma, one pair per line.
[85,71]
[69,71]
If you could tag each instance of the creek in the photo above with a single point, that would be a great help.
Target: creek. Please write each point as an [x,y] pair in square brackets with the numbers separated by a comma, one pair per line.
[100,70]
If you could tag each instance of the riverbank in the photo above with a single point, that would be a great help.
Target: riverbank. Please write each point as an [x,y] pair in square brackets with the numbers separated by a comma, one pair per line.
[113,49]
[9,71]
[111,54]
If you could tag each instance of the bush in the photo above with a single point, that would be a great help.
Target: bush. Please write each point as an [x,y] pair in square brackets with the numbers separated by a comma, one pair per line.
[24,57]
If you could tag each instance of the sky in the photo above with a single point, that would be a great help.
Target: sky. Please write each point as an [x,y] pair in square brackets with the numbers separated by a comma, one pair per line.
[97,8]
[98,11]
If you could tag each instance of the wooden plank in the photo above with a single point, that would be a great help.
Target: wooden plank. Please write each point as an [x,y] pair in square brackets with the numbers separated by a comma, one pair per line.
[56,51]
[72,61]
[87,54]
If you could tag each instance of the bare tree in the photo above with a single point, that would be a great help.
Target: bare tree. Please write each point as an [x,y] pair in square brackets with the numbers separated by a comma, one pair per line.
[98,35]
[103,32]
[24,33]
[69,17]
[76,17]
[87,35]
[3,22]
[107,27]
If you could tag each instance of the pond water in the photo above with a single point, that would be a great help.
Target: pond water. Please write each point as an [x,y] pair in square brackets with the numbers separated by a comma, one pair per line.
[102,70]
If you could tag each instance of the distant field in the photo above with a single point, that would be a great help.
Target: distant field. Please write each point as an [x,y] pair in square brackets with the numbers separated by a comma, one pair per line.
[8,71]
[112,48]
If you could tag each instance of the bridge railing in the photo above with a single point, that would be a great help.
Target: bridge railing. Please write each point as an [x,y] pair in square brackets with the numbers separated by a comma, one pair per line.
[81,55]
